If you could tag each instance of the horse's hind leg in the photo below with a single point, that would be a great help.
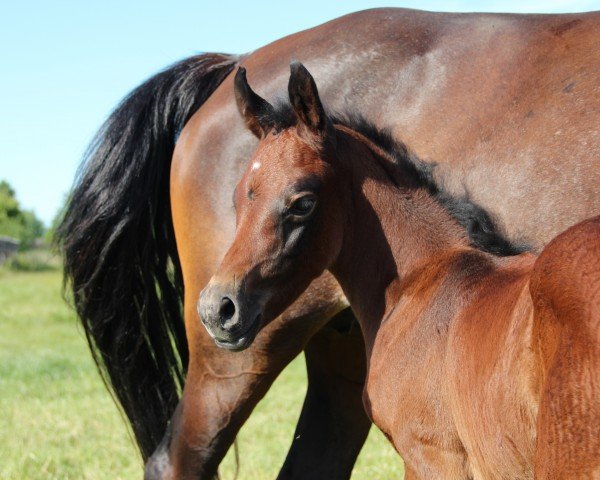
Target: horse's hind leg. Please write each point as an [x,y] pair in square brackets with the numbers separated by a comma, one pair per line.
[333,425]
[222,389]
[565,289]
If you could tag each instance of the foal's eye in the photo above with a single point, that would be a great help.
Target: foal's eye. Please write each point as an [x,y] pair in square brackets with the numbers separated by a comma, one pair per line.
[303,206]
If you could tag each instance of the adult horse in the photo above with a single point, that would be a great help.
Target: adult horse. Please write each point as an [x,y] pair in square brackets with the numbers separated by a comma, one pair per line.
[480,366]
[506,104]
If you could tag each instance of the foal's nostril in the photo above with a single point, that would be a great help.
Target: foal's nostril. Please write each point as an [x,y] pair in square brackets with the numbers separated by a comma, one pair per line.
[226,309]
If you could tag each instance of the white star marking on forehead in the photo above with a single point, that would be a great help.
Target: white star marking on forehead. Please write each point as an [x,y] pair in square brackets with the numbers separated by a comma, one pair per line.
[255,166]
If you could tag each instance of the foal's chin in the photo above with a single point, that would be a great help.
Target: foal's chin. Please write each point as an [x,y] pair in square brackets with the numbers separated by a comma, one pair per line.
[241,341]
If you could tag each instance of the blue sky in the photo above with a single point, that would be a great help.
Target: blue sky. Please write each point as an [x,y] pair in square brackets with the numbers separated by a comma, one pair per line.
[65,65]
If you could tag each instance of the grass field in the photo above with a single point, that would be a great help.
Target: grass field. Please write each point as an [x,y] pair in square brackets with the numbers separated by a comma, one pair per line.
[58,422]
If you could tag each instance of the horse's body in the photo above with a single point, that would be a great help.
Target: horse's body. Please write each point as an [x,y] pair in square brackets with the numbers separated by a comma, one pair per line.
[479,366]
[507,105]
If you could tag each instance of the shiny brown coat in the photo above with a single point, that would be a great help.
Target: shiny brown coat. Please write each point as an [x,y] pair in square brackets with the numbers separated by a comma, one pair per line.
[507,105]
[478,366]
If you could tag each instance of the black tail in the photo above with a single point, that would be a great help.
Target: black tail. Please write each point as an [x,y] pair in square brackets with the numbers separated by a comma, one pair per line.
[119,250]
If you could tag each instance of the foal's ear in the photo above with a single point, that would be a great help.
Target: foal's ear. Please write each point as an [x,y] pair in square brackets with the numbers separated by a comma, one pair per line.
[305,100]
[256,111]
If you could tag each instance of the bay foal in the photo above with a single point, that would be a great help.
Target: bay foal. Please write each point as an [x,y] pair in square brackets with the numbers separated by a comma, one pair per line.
[479,366]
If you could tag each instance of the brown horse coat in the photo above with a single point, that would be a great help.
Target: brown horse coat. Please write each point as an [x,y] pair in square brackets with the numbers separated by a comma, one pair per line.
[507,105]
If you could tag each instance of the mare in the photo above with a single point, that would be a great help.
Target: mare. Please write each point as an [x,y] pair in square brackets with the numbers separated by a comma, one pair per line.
[479,366]
[506,105]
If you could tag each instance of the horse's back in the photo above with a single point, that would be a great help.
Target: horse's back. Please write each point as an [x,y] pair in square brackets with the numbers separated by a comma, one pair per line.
[506,105]
[565,288]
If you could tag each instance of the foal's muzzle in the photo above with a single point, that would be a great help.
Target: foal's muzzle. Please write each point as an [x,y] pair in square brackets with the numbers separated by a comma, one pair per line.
[230,318]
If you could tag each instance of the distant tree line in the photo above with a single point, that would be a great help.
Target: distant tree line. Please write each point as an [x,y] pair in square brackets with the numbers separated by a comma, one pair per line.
[15,221]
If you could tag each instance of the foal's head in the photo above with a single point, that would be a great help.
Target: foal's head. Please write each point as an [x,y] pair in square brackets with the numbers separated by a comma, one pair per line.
[289,214]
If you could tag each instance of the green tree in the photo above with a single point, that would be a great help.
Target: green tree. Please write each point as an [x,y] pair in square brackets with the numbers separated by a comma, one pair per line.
[16,222]
[56,221]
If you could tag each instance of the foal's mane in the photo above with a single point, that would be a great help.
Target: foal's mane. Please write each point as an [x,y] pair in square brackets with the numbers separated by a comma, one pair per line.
[481,229]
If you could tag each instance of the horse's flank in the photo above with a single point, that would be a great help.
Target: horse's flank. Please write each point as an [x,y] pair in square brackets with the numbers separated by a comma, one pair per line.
[565,288]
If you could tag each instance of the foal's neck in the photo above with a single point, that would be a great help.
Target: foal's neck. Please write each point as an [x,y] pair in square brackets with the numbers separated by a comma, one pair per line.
[394,229]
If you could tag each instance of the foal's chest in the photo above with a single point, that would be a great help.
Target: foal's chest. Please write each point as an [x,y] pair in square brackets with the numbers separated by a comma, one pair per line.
[428,392]
[405,399]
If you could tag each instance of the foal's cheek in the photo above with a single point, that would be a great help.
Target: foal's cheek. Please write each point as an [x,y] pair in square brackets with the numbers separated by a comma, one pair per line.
[333,232]
[292,237]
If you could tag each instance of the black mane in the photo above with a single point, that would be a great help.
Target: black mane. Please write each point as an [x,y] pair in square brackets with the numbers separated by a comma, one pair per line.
[478,223]
[482,231]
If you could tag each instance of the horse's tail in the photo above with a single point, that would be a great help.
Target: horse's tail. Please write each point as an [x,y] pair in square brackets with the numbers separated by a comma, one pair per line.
[120,258]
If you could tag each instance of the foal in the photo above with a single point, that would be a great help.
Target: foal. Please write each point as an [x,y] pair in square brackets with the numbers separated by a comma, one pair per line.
[479,366]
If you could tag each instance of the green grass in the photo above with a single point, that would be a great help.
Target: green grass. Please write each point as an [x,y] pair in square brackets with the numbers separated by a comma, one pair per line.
[58,422]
